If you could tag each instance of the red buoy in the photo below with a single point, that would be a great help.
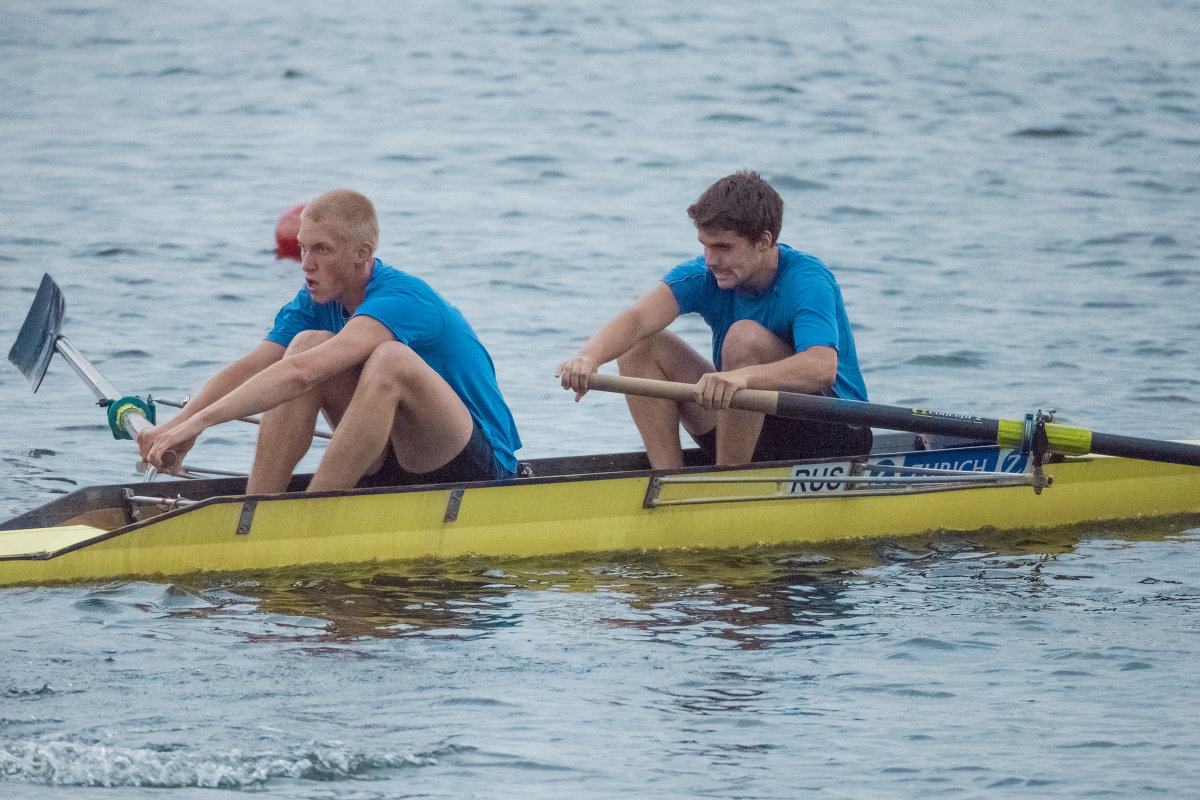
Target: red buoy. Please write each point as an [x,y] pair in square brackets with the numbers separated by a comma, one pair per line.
[286,231]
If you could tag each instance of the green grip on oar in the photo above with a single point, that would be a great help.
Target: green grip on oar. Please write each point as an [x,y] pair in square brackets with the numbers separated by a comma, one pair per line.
[1063,439]
[1069,441]
[119,411]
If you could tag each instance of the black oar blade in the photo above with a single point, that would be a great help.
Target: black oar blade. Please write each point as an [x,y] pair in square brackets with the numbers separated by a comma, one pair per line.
[35,343]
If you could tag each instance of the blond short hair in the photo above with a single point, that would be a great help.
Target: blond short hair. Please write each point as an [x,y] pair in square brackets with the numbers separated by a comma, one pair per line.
[350,214]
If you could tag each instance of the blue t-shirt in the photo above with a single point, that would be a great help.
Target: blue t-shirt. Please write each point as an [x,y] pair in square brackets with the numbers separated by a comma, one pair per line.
[803,305]
[435,330]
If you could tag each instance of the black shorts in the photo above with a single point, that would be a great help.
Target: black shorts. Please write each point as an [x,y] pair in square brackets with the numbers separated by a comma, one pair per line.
[784,439]
[476,462]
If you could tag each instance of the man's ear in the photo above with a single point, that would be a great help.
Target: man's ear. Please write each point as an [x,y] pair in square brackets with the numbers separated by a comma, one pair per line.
[765,241]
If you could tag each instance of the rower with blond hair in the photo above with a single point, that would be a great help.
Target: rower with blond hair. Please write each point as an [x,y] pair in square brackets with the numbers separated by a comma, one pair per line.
[406,384]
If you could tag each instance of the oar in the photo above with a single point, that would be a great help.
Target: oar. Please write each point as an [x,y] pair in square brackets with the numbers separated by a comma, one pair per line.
[1062,439]
[40,339]
[162,401]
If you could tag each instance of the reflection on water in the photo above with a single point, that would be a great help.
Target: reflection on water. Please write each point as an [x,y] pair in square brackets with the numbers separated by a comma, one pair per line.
[749,599]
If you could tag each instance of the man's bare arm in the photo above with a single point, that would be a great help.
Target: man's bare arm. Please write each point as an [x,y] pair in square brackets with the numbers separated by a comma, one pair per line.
[219,385]
[809,371]
[280,382]
[653,312]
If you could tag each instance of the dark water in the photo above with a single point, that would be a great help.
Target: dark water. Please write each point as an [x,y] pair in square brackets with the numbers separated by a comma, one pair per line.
[1009,197]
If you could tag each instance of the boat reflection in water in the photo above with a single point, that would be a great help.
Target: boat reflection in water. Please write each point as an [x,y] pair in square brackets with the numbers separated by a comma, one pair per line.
[749,599]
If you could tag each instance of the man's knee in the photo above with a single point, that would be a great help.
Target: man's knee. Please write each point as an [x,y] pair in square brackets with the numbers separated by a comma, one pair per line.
[747,342]
[391,365]
[635,356]
[649,351]
[307,340]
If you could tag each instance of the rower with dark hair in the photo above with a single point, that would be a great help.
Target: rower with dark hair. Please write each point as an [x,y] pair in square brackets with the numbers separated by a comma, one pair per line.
[778,322]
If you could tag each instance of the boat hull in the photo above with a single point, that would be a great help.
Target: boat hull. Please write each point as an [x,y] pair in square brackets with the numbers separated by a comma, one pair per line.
[629,510]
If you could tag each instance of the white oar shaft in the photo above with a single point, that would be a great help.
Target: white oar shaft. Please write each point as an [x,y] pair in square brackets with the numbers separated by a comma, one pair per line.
[252,420]
[133,423]
[100,385]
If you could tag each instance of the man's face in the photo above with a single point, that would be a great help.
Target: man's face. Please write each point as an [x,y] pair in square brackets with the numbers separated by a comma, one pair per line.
[328,261]
[735,261]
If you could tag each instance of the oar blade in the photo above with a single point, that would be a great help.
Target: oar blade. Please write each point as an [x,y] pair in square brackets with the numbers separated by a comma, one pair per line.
[34,348]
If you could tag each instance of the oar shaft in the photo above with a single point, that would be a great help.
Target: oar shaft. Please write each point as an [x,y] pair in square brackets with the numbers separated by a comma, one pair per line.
[854,412]
[252,420]
[809,406]
[100,385]
[760,400]
[1063,439]
[1112,444]
[133,422]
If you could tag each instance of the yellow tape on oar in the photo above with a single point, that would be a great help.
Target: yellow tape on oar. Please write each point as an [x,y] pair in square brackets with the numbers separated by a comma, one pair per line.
[119,411]
[1062,439]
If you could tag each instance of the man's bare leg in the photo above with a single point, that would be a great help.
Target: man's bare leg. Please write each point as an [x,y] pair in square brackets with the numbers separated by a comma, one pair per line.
[746,343]
[286,431]
[399,399]
[665,356]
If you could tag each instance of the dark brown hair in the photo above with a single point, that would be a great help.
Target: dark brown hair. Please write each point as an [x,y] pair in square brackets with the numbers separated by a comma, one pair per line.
[743,203]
